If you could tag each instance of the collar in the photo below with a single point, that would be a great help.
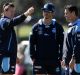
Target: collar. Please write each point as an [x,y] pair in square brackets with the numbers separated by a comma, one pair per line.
[76,22]
[5,17]
[41,21]
[45,23]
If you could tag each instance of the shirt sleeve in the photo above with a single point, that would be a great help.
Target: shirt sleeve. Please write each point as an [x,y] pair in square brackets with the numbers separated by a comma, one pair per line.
[60,38]
[67,48]
[64,47]
[32,41]
[5,22]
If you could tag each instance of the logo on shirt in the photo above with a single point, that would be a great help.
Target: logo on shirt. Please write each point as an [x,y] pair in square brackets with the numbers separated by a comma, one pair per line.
[54,30]
[40,30]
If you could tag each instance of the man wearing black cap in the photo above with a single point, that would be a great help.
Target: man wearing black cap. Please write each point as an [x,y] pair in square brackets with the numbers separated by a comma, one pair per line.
[46,41]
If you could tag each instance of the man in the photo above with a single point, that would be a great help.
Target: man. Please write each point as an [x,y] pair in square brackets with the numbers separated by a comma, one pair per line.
[46,41]
[8,43]
[71,45]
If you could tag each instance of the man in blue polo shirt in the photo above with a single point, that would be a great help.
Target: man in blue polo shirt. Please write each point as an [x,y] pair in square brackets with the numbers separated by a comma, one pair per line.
[71,48]
[8,42]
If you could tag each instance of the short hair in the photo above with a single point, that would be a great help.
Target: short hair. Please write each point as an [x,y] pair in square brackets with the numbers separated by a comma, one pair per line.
[72,8]
[7,5]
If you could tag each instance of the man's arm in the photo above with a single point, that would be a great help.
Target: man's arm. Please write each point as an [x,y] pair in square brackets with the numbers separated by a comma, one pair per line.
[32,41]
[17,20]
[67,49]
[60,38]
[63,64]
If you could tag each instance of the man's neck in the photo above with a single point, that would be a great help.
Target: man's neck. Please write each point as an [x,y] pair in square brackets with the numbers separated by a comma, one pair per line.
[47,21]
[74,19]
[7,15]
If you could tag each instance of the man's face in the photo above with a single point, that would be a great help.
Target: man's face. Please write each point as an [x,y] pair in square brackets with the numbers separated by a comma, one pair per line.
[48,15]
[70,16]
[11,12]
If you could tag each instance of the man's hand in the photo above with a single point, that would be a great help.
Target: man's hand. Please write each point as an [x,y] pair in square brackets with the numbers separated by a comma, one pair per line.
[63,64]
[29,11]
[72,63]
[33,60]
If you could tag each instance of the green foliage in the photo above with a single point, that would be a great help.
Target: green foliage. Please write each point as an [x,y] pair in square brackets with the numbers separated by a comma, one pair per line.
[24,31]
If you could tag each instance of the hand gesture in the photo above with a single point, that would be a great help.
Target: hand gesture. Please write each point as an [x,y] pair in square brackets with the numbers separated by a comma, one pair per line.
[63,64]
[72,63]
[29,11]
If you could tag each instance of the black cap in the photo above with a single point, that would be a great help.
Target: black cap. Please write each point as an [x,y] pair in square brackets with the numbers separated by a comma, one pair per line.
[49,7]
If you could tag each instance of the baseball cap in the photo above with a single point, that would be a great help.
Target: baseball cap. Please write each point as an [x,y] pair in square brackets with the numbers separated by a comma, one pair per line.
[49,7]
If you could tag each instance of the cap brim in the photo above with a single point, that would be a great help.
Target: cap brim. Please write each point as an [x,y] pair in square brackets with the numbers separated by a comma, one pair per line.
[44,9]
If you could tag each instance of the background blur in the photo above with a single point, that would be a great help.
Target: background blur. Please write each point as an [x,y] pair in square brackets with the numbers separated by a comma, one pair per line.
[23,30]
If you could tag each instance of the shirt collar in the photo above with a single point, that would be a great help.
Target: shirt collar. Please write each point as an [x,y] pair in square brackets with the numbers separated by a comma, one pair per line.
[52,22]
[5,17]
[74,23]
